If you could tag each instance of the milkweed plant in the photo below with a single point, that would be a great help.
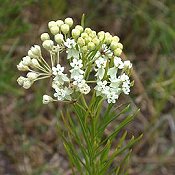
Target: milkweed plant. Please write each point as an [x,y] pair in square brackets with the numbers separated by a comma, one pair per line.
[90,85]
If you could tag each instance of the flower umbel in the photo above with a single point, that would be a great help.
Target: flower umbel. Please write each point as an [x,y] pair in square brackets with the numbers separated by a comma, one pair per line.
[88,53]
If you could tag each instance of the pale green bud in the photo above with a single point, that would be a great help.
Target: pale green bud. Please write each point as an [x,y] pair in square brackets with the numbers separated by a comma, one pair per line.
[101,35]
[96,41]
[84,35]
[59,38]
[54,30]
[51,24]
[45,36]
[93,34]
[81,41]
[120,45]
[88,39]
[48,44]
[108,38]
[65,28]
[115,38]
[59,23]
[113,45]
[91,46]
[117,52]
[75,33]
[80,28]
[84,49]
[88,30]
[69,21]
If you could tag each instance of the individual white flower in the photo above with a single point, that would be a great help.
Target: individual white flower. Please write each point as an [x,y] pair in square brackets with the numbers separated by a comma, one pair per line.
[123,77]
[62,94]
[47,99]
[127,64]
[58,70]
[112,97]
[101,62]
[106,50]
[118,63]
[101,87]
[76,64]
[126,87]
[78,80]
[70,43]
[84,88]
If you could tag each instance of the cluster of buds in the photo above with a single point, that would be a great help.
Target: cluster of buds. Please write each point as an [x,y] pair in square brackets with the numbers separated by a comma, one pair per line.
[92,58]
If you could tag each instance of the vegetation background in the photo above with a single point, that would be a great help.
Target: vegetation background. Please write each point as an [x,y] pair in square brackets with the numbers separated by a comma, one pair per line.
[29,142]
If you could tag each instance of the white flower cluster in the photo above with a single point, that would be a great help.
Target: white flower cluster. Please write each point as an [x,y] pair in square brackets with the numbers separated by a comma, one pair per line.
[88,53]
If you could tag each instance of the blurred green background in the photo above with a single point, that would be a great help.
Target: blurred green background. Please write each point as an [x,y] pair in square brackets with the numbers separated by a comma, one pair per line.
[29,143]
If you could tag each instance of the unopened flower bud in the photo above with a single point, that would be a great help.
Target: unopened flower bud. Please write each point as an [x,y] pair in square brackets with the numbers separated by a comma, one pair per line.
[21,80]
[36,50]
[54,30]
[88,30]
[27,84]
[32,75]
[22,67]
[35,63]
[47,99]
[26,61]
[115,38]
[75,33]
[69,21]
[48,44]
[52,24]
[59,23]
[113,45]
[80,28]
[93,34]
[84,35]
[88,39]
[59,38]
[81,41]
[101,35]
[65,28]
[117,52]
[45,36]
[120,45]
[91,46]
[96,41]
[84,49]
[31,55]
[108,38]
